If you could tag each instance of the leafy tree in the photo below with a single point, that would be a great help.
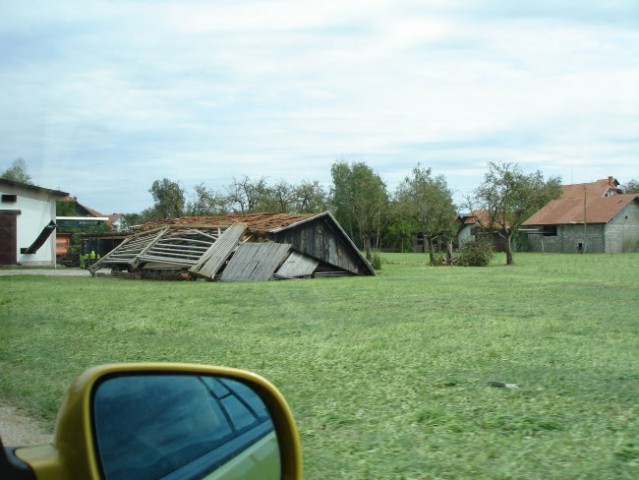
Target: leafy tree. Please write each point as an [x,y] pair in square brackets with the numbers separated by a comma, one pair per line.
[631,187]
[360,201]
[65,208]
[168,197]
[17,172]
[509,197]
[427,202]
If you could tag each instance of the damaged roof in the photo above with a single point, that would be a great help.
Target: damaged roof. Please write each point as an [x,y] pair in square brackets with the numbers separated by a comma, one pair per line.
[217,248]
[255,222]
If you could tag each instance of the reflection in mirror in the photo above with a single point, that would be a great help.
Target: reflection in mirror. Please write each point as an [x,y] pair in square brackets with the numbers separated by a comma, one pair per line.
[182,426]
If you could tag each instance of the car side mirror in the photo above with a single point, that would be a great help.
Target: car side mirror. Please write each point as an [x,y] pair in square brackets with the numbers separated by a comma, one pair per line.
[170,421]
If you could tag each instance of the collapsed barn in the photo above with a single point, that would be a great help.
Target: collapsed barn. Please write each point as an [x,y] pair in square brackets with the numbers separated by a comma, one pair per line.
[238,247]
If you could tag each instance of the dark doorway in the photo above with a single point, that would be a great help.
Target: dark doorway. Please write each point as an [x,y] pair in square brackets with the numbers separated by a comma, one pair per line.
[8,237]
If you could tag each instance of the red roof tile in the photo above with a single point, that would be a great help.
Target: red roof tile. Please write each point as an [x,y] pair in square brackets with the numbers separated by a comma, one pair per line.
[571,210]
[600,188]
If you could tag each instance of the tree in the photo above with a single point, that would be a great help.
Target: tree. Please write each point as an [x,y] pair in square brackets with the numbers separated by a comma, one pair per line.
[206,202]
[360,201]
[631,187]
[509,197]
[17,172]
[247,196]
[309,197]
[168,197]
[427,202]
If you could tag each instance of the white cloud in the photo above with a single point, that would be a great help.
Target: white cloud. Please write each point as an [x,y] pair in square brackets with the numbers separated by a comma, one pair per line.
[200,90]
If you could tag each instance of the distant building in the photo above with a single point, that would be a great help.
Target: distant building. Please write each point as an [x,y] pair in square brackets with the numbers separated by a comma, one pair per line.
[475,224]
[27,224]
[593,217]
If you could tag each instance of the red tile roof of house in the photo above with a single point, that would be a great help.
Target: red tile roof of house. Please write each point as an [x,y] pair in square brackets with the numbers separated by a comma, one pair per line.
[571,210]
[474,217]
[601,188]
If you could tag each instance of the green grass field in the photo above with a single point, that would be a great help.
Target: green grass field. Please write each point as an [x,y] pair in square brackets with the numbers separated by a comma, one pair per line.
[387,375]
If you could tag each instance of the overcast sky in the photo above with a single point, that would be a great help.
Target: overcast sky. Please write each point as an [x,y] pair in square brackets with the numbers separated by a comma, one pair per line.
[101,98]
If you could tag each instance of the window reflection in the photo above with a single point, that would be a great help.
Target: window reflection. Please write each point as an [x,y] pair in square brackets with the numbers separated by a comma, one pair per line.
[181,426]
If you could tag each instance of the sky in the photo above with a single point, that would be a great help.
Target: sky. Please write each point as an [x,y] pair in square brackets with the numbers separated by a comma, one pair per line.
[101,98]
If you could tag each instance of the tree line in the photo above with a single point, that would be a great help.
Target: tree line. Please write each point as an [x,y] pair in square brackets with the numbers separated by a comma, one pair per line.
[371,215]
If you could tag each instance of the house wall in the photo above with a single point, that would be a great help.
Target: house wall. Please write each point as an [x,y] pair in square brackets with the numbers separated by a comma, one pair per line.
[571,239]
[465,235]
[622,232]
[37,209]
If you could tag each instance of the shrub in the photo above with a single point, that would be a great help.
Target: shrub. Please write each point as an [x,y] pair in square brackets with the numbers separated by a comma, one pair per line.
[477,253]
[376,261]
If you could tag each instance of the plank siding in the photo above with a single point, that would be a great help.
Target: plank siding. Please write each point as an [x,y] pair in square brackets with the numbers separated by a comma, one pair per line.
[296,266]
[321,240]
[254,262]
[219,252]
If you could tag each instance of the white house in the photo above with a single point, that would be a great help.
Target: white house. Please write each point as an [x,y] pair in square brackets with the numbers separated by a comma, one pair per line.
[27,224]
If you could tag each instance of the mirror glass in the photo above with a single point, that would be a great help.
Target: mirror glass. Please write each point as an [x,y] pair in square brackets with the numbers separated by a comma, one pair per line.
[182,426]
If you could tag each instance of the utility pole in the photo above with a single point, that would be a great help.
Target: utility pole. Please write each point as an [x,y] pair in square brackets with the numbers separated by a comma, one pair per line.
[585,224]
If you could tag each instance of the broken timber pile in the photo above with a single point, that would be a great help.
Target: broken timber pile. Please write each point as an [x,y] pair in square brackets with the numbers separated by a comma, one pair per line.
[199,251]
[233,248]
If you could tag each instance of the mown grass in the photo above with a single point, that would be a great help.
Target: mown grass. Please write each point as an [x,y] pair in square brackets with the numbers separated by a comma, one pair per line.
[386,375]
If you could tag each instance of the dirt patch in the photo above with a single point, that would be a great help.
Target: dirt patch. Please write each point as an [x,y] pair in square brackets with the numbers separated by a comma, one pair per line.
[17,429]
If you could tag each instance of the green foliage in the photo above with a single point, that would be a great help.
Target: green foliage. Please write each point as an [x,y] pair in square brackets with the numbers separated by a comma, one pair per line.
[476,253]
[426,202]
[631,187]
[360,201]
[376,261]
[510,197]
[387,375]
[309,197]
[17,172]
[168,197]
[65,208]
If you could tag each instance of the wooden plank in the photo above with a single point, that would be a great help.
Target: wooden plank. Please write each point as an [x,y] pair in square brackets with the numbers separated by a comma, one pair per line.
[156,239]
[211,262]
[179,248]
[296,266]
[254,262]
[184,262]
[126,251]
